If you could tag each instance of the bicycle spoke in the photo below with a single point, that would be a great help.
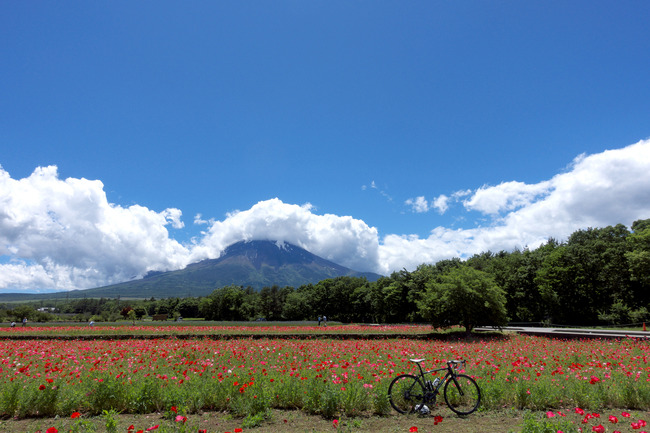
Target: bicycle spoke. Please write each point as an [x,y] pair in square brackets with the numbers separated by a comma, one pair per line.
[462,394]
[406,394]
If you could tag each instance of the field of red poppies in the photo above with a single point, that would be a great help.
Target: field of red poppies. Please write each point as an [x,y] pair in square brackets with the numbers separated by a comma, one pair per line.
[199,329]
[330,378]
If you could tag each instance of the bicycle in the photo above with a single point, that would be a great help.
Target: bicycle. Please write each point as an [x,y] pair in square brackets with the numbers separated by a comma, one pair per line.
[408,393]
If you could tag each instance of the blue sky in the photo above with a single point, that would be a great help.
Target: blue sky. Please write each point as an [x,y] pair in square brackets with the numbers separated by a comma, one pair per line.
[379,134]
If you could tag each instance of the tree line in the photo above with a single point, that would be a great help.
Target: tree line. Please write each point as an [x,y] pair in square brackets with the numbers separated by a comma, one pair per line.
[597,276]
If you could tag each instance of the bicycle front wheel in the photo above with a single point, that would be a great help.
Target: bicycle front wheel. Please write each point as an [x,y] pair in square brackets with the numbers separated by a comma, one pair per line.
[406,393]
[462,394]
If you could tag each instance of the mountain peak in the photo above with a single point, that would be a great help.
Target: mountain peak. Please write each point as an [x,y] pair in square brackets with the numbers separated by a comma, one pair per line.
[255,263]
[276,255]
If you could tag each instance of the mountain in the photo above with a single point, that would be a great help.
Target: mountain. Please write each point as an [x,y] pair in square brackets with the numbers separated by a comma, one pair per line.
[253,263]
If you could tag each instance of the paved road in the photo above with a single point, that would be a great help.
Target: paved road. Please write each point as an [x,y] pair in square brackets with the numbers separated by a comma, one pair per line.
[571,332]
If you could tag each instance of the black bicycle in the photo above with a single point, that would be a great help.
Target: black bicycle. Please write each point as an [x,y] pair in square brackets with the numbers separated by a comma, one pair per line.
[409,394]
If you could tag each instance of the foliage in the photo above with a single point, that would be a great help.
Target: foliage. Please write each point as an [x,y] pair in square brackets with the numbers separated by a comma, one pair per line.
[464,296]
[598,276]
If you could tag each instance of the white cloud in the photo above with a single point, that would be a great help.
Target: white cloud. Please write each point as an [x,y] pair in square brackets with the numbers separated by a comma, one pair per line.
[441,203]
[418,204]
[63,234]
[507,196]
[198,220]
[421,205]
[597,190]
[342,239]
[73,238]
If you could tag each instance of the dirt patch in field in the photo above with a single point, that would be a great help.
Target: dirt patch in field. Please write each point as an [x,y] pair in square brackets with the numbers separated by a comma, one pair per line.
[285,422]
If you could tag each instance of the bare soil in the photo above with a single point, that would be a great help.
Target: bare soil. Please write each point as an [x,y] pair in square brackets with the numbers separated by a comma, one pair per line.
[291,421]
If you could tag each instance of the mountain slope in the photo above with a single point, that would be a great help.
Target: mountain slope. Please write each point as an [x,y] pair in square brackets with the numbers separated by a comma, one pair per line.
[254,263]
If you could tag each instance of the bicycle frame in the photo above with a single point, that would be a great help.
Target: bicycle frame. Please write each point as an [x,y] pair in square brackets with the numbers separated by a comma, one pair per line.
[451,372]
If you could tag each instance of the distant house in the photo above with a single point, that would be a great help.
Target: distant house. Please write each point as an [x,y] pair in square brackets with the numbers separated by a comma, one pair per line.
[46,309]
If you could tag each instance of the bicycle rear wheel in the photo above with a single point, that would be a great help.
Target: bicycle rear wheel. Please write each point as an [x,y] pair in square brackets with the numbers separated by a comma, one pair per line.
[406,394]
[462,394]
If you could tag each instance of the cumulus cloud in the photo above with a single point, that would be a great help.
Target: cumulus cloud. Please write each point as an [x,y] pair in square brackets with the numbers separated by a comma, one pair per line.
[342,239]
[63,234]
[507,196]
[597,190]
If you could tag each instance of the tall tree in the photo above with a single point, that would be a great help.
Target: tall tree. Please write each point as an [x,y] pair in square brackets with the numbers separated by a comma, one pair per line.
[638,258]
[464,296]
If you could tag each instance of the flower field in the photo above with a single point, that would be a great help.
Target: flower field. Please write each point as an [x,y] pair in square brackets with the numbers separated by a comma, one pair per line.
[330,378]
[199,329]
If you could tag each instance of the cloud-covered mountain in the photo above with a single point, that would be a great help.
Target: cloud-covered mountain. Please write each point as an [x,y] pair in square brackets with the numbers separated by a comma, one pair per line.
[63,234]
[256,264]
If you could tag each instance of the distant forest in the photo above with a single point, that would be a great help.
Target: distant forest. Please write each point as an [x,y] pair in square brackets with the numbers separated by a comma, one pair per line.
[599,276]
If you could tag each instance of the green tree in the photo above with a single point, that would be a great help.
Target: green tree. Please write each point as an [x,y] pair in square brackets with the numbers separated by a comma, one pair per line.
[296,306]
[639,255]
[132,316]
[463,296]
[140,311]
[271,301]
[188,307]
[587,278]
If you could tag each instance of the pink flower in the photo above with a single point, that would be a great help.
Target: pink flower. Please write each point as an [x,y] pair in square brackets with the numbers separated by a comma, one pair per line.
[550,414]
[625,414]
[580,411]
[335,423]
[613,419]
[153,428]
[598,428]
[181,418]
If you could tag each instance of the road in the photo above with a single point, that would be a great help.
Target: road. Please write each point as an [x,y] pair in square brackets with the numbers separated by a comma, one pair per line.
[570,332]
